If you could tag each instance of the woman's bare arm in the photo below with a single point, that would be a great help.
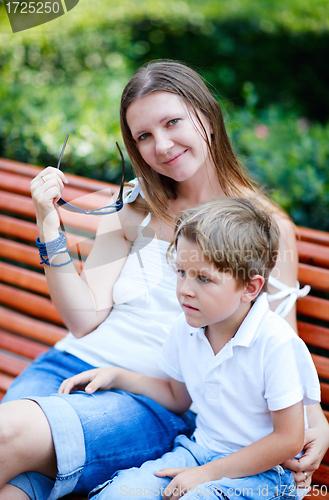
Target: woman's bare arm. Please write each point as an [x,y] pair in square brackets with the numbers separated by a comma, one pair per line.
[83,301]
[286,268]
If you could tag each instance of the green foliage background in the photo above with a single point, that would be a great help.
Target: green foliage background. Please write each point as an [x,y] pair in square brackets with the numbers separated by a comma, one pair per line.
[266,60]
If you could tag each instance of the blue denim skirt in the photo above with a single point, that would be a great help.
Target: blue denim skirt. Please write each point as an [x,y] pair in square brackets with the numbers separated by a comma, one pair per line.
[94,435]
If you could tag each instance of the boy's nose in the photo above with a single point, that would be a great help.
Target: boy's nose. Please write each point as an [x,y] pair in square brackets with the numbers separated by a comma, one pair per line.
[186,288]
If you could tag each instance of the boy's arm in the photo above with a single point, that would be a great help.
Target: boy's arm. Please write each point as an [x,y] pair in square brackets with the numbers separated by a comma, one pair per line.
[284,442]
[316,443]
[171,394]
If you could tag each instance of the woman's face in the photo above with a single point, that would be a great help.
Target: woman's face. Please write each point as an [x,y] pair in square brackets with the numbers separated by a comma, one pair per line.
[169,136]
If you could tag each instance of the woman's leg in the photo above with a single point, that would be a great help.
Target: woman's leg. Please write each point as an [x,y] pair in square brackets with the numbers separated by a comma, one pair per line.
[96,435]
[44,376]
[25,441]
[41,378]
[10,492]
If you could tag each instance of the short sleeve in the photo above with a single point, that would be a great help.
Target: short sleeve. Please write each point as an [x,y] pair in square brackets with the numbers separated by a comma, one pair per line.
[290,375]
[169,356]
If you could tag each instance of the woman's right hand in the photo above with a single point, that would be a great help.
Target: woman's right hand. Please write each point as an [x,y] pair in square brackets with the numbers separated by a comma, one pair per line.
[90,381]
[46,189]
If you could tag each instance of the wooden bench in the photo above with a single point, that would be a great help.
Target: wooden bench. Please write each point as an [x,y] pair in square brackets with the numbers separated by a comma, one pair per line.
[29,323]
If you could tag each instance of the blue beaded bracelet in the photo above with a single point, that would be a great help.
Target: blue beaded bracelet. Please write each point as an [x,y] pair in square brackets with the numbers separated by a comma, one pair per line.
[51,248]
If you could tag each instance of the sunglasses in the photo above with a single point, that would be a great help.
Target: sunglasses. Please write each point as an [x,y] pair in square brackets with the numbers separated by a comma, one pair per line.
[109,209]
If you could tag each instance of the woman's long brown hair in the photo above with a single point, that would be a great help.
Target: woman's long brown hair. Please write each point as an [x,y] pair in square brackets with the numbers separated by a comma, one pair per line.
[178,79]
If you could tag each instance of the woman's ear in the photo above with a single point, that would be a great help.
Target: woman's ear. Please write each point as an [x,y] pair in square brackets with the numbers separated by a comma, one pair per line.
[253,289]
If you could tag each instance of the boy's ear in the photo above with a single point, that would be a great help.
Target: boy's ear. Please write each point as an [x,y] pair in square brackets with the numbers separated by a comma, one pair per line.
[252,290]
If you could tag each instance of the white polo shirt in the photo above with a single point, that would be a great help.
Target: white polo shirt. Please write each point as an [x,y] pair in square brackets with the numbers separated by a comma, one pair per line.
[264,367]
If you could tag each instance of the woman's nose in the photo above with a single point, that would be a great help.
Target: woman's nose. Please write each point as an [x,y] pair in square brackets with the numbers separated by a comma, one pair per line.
[163,144]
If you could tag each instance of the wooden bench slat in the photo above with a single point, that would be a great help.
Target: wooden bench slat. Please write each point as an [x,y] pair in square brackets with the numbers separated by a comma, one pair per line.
[35,329]
[316,277]
[16,228]
[11,365]
[322,365]
[313,254]
[21,185]
[23,278]
[31,171]
[17,204]
[314,307]
[22,346]
[326,458]
[15,183]
[29,303]
[20,229]
[314,335]
[321,476]
[20,252]
[23,206]
[324,393]
[5,381]
[312,235]
[86,199]
[13,250]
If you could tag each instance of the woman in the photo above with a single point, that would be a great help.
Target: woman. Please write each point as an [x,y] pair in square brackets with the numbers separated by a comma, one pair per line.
[174,133]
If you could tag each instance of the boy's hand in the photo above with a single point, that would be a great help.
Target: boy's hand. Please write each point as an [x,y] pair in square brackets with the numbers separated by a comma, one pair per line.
[90,381]
[185,479]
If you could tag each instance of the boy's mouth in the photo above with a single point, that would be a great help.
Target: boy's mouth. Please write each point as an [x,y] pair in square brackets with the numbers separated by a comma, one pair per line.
[189,308]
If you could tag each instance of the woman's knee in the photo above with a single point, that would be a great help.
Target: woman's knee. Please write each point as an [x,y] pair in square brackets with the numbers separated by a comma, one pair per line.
[10,492]
[25,433]
[12,422]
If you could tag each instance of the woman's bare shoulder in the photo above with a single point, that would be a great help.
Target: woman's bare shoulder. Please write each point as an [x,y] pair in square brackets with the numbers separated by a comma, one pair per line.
[126,220]
[286,225]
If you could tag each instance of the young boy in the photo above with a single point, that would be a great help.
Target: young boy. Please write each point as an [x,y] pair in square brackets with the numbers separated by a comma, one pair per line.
[246,370]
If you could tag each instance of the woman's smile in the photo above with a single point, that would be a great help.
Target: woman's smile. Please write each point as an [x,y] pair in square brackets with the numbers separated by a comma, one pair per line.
[174,159]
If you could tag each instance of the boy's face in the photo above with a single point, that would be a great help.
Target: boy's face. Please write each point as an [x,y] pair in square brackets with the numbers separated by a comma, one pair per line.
[208,297]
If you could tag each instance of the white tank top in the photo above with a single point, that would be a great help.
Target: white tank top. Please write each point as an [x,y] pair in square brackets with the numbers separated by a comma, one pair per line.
[145,308]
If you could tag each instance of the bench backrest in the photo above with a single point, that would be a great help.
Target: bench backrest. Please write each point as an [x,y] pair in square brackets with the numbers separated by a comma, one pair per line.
[29,323]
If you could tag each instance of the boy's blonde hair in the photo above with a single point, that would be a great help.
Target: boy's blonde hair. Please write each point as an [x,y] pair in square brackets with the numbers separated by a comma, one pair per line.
[235,235]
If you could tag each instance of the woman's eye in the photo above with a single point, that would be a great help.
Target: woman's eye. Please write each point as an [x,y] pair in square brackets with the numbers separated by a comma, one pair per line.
[143,137]
[203,279]
[174,121]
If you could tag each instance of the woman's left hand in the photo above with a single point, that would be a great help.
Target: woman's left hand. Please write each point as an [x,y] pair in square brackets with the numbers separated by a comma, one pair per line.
[315,446]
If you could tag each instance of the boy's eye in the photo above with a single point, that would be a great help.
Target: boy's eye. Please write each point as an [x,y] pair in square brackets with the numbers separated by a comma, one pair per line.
[181,273]
[203,279]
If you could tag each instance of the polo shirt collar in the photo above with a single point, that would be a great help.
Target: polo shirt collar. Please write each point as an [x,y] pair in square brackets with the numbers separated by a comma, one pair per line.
[248,330]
